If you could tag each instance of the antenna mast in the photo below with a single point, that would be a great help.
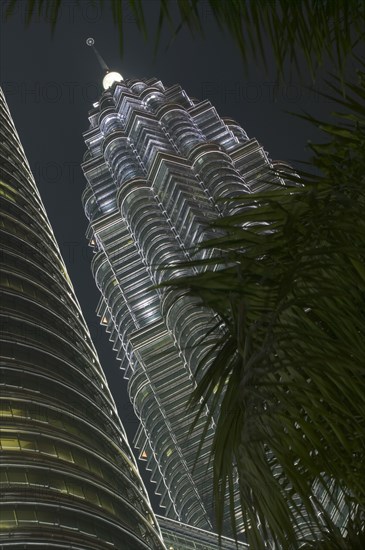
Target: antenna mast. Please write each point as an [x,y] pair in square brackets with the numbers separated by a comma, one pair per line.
[90,42]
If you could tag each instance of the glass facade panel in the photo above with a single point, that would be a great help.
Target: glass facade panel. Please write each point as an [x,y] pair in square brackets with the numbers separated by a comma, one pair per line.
[68,476]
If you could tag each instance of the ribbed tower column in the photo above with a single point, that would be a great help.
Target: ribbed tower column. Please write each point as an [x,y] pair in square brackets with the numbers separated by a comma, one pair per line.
[170,161]
[68,476]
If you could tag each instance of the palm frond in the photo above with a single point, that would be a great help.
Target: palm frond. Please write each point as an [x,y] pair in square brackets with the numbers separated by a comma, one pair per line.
[300,35]
[287,386]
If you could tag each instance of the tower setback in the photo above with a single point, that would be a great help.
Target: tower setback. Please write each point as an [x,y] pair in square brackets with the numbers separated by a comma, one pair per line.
[157,165]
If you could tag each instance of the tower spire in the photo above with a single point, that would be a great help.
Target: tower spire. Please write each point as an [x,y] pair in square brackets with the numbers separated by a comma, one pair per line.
[91,42]
[110,77]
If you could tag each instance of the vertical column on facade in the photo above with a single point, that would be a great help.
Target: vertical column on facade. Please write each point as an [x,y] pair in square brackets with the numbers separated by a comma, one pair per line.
[177,187]
[158,404]
[109,120]
[181,127]
[125,167]
[158,246]
[131,302]
[216,170]
[184,133]
[183,199]
[213,127]
[147,135]
[252,162]
[121,159]
[236,130]
[99,196]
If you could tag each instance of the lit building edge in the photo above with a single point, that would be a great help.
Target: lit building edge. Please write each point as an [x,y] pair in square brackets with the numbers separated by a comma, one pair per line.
[157,164]
[68,476]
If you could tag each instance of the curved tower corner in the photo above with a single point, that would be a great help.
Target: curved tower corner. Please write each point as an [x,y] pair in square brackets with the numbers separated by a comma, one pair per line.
[157,165]
[68,476]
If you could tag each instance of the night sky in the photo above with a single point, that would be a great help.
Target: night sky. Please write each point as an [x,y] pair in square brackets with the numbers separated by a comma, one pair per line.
[51,82]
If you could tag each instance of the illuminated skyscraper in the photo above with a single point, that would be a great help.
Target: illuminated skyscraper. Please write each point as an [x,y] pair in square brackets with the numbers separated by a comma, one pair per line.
[156,165]
[68,476]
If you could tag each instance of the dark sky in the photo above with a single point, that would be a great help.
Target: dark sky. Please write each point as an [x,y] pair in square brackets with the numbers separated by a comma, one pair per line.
[51,82]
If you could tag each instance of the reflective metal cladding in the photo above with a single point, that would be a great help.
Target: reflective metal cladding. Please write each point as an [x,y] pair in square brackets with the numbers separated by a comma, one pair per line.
[157,165]
[68,476]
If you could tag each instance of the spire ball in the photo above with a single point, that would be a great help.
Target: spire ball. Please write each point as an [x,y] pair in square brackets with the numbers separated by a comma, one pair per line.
[110,78]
